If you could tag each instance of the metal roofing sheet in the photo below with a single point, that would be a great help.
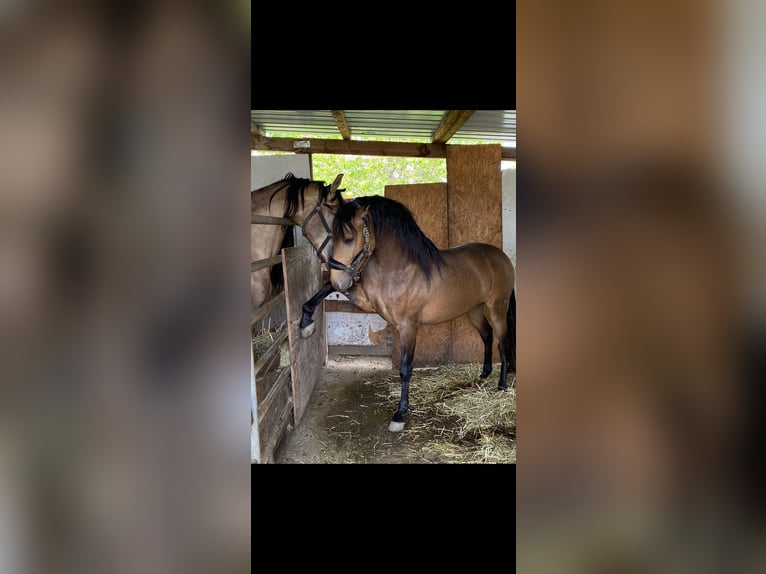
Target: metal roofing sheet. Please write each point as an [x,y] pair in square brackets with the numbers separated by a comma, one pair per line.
[486,125]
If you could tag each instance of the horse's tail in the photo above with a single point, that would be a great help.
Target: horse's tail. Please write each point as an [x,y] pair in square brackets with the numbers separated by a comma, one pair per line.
[511,338]
[277,277]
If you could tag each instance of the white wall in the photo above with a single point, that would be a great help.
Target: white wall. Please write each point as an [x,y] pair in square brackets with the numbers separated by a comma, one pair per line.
[266,169]
[351,328]
[509,213]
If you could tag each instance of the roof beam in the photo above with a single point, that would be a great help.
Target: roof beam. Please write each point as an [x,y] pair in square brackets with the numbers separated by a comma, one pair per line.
[340,120]
[353,147]
[452,121]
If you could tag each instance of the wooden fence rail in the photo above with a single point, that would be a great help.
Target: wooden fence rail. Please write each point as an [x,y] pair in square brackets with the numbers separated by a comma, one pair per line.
[266,308]
[263,263]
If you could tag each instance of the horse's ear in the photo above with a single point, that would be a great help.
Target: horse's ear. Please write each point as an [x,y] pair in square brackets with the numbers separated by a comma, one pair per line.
[336,184]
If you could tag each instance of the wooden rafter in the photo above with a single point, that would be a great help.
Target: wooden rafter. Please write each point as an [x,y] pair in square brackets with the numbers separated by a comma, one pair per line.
[352,147]
[256,129]
[340,120]
[255,132]
[451,122]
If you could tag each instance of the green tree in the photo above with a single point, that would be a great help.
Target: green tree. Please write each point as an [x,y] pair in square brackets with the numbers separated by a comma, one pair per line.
[369,175]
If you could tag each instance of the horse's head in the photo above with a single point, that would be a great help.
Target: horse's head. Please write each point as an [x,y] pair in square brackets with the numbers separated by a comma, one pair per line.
[353,244]
[319,214]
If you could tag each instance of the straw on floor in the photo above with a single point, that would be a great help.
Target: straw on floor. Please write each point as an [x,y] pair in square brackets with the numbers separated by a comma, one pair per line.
[464,419]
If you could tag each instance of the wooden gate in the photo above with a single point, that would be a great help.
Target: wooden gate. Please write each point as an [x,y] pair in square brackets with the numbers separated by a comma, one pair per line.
[303,277]
[275,403]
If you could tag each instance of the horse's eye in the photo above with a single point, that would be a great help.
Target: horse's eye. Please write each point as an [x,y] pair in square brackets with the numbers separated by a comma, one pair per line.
[348,239]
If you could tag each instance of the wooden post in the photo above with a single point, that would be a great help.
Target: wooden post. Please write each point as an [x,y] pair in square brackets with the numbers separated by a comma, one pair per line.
[255,439]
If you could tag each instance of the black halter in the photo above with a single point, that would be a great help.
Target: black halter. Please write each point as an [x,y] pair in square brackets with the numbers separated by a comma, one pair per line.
[318,211]
[355,267]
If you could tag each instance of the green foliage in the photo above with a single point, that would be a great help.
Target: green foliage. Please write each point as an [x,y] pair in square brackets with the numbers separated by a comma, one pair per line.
[366,175]
[369,175]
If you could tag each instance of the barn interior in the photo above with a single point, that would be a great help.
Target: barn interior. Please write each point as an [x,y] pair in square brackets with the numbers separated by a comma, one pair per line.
[328,398]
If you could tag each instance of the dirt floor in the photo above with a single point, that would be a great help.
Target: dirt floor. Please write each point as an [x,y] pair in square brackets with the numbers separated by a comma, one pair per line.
[347,419]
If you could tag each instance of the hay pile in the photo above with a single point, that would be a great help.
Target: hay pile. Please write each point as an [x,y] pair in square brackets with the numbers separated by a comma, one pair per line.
[263,340]
[464,419]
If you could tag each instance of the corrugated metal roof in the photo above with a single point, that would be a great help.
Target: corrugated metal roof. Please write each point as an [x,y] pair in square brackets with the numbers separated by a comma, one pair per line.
[489,125]
[483,125]
[295,121]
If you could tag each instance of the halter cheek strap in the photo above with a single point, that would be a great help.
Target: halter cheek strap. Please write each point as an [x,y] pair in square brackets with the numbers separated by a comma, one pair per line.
[360,259]
[328,237]
[318,211]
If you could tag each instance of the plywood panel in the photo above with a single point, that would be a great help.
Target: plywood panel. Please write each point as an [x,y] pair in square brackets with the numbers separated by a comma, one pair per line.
[428,203]
[302,279]
[475,216]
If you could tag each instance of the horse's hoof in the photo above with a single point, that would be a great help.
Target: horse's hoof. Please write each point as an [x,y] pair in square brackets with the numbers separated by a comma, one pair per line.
[307,331]
[504,389]
[394,426]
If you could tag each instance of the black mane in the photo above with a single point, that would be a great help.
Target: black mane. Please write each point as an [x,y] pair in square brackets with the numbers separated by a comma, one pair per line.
[392,218]
[296,188]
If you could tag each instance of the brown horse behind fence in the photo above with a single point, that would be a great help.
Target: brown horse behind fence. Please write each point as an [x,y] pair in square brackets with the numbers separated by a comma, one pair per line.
[306,203]
[385,264]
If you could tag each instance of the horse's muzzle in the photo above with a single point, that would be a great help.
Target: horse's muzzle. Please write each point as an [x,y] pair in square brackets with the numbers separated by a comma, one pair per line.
[341,280]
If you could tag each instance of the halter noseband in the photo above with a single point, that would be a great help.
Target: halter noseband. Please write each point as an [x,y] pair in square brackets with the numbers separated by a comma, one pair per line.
[355,267]
[318,211]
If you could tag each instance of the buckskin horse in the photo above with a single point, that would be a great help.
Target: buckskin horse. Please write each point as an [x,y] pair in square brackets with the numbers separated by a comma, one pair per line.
[385,264]
[308,204]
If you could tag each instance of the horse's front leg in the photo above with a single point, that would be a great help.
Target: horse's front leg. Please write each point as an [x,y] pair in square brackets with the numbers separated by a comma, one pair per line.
[407,336]
[307,325]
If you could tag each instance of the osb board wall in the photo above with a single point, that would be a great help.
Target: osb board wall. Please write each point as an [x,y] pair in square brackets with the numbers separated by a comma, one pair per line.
[428,203]
[475,190]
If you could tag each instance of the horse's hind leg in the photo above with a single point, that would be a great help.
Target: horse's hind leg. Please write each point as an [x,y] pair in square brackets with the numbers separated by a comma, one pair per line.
[497,314]
[407,336]
[478,320]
